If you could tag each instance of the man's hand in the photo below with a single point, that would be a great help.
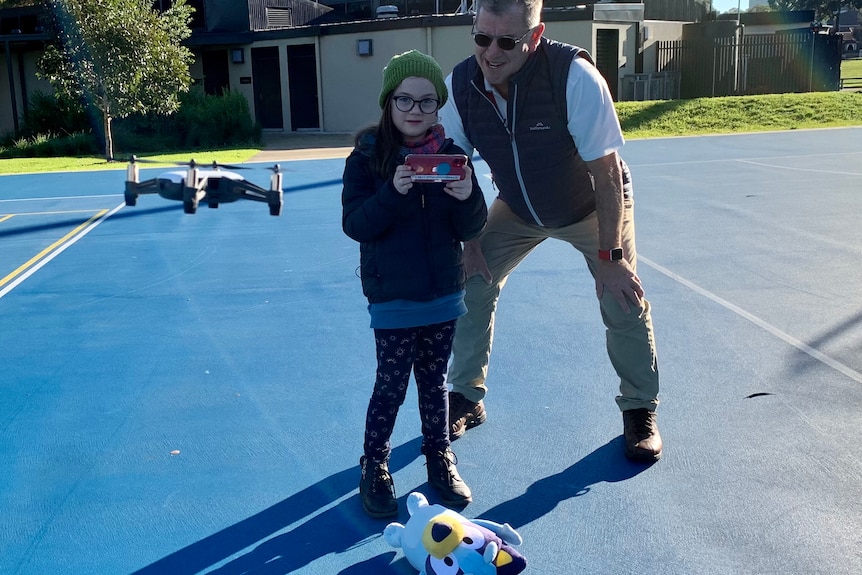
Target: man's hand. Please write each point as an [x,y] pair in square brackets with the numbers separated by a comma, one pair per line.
[474,261]
[622,283]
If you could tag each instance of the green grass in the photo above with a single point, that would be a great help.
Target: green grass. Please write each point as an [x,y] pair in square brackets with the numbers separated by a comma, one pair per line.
[71,164]
[851,68]
[638,119]
[740,114]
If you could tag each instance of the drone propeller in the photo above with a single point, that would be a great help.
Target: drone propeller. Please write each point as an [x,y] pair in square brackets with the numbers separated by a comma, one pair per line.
[275,168]
[216,165]
[137,160]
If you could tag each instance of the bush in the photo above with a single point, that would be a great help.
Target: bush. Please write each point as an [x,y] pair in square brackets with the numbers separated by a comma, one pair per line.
[62,128]
[50,145]
[203,121]
[216,121]
[47,114]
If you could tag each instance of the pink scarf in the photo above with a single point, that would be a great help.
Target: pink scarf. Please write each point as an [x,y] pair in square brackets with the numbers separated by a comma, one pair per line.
[430,144]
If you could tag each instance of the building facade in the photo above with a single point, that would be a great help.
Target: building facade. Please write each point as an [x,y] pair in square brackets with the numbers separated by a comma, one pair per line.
[300,72]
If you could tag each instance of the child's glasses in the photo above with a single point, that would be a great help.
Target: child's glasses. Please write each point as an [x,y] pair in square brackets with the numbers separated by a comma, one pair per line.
[426,105]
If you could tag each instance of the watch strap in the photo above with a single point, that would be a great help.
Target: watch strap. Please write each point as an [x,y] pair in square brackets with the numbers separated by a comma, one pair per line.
[611,255]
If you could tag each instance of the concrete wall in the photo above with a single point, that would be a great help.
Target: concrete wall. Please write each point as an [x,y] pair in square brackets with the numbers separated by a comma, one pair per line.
[351,83]
[653,32]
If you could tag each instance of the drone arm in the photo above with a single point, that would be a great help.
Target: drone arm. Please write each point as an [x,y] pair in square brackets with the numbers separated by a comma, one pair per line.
[247,191]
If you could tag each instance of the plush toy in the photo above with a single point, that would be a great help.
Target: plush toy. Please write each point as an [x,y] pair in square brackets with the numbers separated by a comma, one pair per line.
[439,541]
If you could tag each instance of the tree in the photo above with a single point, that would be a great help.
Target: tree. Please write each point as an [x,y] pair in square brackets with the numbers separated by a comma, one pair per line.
[18,3]
[823,9]
[119,56]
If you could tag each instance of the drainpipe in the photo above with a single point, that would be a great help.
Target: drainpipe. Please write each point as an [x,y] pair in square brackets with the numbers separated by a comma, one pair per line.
[429,43]
[319,71]
[12,97]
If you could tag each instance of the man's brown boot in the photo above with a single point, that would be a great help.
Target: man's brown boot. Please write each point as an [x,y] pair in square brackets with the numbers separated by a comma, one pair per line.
[640,432]
[464,414]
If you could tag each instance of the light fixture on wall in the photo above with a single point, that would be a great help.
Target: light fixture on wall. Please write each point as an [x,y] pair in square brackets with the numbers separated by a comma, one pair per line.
[237,55]
[364,47]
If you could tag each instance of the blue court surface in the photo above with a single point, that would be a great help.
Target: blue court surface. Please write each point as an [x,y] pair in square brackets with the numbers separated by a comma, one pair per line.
[185,394]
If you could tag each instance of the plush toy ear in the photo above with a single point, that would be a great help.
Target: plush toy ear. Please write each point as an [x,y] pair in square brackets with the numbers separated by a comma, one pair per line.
[392,534]
[415,501]
[505,531]
[491,552]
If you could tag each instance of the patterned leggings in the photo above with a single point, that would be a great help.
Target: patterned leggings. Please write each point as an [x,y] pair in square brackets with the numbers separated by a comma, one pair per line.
[424,351]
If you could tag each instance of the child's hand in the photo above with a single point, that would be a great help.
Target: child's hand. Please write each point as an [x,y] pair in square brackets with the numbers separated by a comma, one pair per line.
[401,180]
[461,189]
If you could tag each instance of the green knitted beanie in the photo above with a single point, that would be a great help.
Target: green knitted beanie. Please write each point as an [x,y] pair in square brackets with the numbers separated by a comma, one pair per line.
[412,63]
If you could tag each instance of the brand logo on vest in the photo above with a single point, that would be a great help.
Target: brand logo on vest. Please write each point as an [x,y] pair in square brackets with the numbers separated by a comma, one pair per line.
[539,126]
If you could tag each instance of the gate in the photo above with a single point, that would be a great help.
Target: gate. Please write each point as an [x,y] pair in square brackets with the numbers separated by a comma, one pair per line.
[758,64]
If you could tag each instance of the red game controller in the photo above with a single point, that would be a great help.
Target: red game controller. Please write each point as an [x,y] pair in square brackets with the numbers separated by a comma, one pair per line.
[437,167]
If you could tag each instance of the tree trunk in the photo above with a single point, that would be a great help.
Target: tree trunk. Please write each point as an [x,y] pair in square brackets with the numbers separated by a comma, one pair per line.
[109,139]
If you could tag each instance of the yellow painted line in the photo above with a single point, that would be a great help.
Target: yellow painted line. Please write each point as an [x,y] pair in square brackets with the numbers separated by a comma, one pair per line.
[4,218]
[48,250]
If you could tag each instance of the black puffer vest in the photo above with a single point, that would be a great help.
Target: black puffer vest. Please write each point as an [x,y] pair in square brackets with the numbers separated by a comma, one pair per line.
[532,156]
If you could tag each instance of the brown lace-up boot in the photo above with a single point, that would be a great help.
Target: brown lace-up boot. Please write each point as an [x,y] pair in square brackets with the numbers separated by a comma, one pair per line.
[464,414]
[640,432]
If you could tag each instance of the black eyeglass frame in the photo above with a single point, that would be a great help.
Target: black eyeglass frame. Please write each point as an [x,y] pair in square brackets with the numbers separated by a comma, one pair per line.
[414,103]
[502,41]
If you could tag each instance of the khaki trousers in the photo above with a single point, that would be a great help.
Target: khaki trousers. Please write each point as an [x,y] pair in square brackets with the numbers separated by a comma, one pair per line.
[506,241]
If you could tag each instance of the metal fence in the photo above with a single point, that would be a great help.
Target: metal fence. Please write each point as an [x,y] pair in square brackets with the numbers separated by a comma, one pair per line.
[757,64]
[653,86]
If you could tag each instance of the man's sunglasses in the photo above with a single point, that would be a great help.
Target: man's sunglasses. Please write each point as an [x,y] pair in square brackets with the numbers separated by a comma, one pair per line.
[504,42]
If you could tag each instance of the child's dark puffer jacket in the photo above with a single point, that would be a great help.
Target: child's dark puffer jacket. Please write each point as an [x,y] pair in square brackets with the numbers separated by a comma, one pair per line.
[410,245]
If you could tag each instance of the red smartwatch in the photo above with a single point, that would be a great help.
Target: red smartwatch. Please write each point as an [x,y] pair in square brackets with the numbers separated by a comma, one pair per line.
[611,255]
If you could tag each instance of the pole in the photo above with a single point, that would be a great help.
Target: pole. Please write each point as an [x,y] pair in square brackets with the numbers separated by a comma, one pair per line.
[811,62]
[737,40]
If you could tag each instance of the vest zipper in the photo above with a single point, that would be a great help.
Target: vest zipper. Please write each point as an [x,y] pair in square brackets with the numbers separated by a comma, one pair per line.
[514,144]
[517,159]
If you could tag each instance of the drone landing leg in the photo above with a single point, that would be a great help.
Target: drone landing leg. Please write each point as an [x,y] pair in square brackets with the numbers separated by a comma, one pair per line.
[132,181]
[275,196]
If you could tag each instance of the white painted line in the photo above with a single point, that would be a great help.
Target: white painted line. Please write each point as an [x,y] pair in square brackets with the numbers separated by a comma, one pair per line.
[801,346]
[58,251]
[745,160]
[831,172]
[58,198]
